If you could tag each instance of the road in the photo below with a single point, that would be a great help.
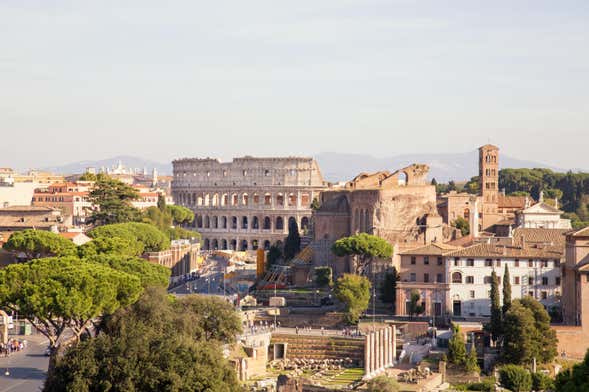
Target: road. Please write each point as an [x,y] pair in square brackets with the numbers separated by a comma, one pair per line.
[210,281]
[27,368]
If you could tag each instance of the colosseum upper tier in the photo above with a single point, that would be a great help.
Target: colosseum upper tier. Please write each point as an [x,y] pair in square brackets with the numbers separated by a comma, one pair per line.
[247,203]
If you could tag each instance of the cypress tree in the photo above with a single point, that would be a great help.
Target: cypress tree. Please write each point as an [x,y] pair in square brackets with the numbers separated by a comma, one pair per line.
[456,346]
[292,244]
[496,313]
[506,290]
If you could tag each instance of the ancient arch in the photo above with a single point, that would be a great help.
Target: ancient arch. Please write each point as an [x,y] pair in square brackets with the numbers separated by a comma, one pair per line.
[215,199]
[224,199]
[266,245]
[234,222]
[207,200]
[304,223]
[254,244]
[223,222]
[215,222]
[244,245]
[255,223]
[256,199]
[233,245]
[279,223]
[244,222]
[245,199]
[291,221]
[292,199]
[456,277]
[267,199]
[224,244]
[267,223]
[207,222]
[207,244]
[280,199]
[234,199]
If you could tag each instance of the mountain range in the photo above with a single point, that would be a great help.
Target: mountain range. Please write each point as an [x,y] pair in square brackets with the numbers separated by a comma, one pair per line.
[342,166]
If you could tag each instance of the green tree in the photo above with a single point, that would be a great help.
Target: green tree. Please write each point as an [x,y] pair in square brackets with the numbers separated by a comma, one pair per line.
[506,290]
[496,320]
[575,378]
[113,199]
[161,202]
[151,346]
[354,292]
[315,204]
[382,384]
[39,243]
[180,215]
[365,246]
[149,274]
[456,346]
[111,245]
[471,364]
[153,239]
[292,244]
[389,288]
[515,378]
[545,337]
[415,307]
[57,294]
[542,382]
[274,254]
[323,276]
[451,186]
[472,186]
[462,224]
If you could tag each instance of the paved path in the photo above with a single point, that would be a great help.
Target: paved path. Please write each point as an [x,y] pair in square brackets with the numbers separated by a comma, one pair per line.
[27,368]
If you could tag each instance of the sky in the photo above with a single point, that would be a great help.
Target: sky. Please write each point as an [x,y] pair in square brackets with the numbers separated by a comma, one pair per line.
[84,80]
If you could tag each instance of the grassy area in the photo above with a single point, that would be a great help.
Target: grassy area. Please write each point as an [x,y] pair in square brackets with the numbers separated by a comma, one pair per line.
[345,377]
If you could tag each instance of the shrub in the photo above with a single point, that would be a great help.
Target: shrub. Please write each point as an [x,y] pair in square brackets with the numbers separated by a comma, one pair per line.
[515,378]
[542,382]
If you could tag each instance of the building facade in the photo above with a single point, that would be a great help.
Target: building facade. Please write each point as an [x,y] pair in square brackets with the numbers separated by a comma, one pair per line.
[247,203]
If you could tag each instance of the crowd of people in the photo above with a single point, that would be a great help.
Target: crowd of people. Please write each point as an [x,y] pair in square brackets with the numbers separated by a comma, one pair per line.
[13,345]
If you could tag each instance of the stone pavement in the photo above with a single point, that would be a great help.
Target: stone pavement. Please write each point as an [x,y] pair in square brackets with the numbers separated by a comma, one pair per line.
[27,368]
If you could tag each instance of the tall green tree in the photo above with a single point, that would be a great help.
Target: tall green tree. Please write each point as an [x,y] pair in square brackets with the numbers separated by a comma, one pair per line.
[365,247]
[496,313]
[462,224]
[389,287]
[57,294]
[515,378]
[113,199]
[156,344]
[415,307]
[354,292]
[161,202]
[292,244]
[506,290]
[545,336]
[471,364]
[274,254]
[39,243]
[456,346]
[152,239]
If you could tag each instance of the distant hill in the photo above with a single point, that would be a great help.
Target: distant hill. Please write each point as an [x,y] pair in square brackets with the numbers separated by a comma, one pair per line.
[443,167]
[341,166]
[127,161]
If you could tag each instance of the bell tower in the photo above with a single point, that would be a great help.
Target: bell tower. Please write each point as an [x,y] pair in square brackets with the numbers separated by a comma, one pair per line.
[489,183]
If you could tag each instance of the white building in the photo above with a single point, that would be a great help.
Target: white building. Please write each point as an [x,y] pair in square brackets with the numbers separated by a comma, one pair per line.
[534,270]
[542,216]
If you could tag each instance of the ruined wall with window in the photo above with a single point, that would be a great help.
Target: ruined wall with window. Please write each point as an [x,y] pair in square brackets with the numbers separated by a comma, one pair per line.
[247,203]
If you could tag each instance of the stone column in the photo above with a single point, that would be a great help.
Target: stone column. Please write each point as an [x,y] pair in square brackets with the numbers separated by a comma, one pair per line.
[373,355]
[393,343]
[367,355]
[386,347]
[381,349]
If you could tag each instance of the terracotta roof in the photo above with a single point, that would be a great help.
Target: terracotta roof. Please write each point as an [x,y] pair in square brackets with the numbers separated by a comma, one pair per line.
[511,201]
[462,241]
[433,249]
[498,251]
[16,209]
[580,233]
[540,236]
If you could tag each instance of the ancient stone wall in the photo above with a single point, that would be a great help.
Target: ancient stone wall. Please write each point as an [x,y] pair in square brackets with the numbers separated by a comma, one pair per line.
[247,203]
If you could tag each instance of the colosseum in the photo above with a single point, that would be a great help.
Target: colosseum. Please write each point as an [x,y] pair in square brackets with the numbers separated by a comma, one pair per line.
[247,203]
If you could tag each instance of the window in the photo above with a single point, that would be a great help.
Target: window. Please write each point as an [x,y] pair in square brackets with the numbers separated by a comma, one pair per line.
[440,260]
[487,280]
[456,262]
[516,280]
[413,260]
[426,277]
[544,281]
[470,262]
[472,294]
[266,172]
[557,263]
[440,278]
[544,295]
[426,260]
[530,280]
[488,263]
[544,263]
[530,263]
[456,277]
[516,263]
[557,280]
[412,277]
[470,279]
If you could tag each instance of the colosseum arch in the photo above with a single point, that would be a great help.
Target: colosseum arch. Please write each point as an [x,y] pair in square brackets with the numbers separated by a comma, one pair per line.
[279,223]
[234,222]
[244,222]
[215,244]
[223,222]
[305,199]
[266,245]
[207,244]
[215,200]
[224,200]
[224,244]
[256,199]
[280,199]
[245,199]
[243,246]
[254,244]
[304,223]
[199,221]
[292,199]
[267,199]
[291,221]
[234,199]
[255,223]
[267,223]
[207,222]
[215,223]
[207,200]
[233,244]
[199,200]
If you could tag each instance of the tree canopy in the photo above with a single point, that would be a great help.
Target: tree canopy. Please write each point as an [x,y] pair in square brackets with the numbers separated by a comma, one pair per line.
[496,314]
[111,245]
[152,239]
[574,379]
[363,245]
[113,199]
[153,345]
[415,307]
[61,293]
[354,292]
[39,243]
[462,224]
[292,243]
[456,346]
[149,274]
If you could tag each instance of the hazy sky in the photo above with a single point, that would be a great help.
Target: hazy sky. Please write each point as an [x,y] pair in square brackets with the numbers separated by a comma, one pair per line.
[83,79]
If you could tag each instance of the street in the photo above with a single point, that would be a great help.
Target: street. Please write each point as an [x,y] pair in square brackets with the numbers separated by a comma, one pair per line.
[210,281]
[27,369]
